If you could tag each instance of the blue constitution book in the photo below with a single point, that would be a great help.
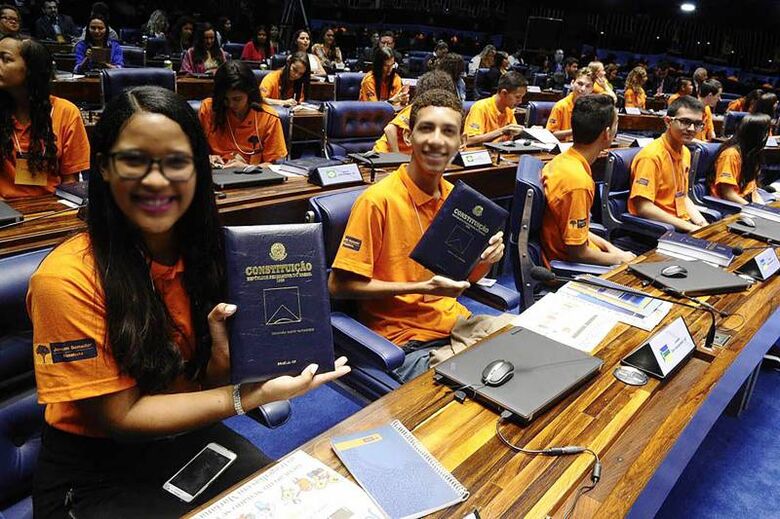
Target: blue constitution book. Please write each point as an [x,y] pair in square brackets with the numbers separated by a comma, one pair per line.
[396,470]
[277,277]
[459,233]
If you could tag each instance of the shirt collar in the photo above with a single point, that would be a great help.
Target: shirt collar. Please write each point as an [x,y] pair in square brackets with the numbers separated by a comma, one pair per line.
[578,156]
[676,155]
[420,197]
[166,272]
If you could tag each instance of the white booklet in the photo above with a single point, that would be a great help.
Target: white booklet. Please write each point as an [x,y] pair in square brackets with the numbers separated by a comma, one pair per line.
[298,487]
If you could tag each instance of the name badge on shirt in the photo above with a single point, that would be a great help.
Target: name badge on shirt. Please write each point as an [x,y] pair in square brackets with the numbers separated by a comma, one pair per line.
[24,176]
[679,204]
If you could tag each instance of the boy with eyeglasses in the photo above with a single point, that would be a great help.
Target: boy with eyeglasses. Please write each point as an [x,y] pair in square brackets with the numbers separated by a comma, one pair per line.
[10,21]
[659,173]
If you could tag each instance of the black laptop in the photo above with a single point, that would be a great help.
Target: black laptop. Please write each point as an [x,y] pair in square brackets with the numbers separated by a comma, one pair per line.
[514,147]
[380,160]
[765,230]
[699,277]
[245,177]
[545,371]
[8,215]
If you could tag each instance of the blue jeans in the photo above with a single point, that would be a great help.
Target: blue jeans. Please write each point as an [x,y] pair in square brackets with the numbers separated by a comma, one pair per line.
[417,360]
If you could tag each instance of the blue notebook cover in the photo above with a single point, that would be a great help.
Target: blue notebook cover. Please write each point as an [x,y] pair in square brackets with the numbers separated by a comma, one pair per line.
[459,233]
[396,470]
[276,275]
[688,241]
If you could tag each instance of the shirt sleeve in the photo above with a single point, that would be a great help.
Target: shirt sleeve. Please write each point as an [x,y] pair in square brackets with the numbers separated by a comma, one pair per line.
[554,121]
[269,87]
[727,169]
[117,55]
[574,211]
[362,241]
[643,183]
[273,141]
[74,143]
[186,62]
[368,89]
[475,123]
[80,52]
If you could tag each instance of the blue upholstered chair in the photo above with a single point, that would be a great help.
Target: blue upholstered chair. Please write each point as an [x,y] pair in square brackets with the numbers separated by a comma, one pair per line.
[539,79]
[234,50]
[479,93]
[417,63]
[702,163]
[278,61]
[537,112]
[156,47]
[730,122]
[467,107]
[260,74]
[134,57]
[129,36]
[354,126]
[347,86]
[722,105]
[115,81]
[525,249]
[371,356]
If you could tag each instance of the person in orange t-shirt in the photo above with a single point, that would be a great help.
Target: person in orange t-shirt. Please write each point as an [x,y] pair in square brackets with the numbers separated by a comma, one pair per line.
[289,85]
[709,95]
[684,88]
[390,87]
[396,132]
[239,128]
[746,102]
[45,142]
[600,83]
[738,162]
[398,298]
[130,343]
[493,118]
[634,93]
[659,172]
[559,121]
[569,189]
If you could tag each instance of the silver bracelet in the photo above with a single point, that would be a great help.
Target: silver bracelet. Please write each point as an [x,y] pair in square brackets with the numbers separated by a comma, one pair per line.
[237,399]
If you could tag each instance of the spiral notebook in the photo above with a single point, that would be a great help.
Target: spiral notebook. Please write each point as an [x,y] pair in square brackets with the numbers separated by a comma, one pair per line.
[396,470]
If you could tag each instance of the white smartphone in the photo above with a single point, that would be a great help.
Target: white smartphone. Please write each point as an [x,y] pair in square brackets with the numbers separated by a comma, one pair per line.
[194,477]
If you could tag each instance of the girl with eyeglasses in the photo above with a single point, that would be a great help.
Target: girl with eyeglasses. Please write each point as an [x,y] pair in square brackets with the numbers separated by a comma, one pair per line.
[42,138]
[132,356]
[240,129]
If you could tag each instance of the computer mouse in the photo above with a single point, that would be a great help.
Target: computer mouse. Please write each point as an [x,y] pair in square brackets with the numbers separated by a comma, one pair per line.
[674,271]
[498,372]
[747,221]
[526,143]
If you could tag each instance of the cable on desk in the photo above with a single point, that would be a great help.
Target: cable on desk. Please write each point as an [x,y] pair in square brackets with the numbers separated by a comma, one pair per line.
[735,328]
[595,473]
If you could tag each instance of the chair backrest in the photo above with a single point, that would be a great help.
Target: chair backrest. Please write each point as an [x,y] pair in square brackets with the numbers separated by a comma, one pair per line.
[722,105]
[354,126]
[156,46]
[129,35]
[278,60]
[195,104]
[539,79]
[417,64]
[478,93]
[467,107]
[21,422]
[525,223]
[537,112]
[260,74]
[15,278]
[347,86]
[134,56]
[285,116]
[234,49]
[730,122]
[332,211]
[114,81]
[702,162]
[617,184]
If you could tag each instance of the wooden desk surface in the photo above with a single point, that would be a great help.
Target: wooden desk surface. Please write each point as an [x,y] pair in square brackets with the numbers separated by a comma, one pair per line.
[632,429]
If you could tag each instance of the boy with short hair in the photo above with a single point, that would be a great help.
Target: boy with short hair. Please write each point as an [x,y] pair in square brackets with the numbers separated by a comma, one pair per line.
[559,121]
[493,118]
[709,95]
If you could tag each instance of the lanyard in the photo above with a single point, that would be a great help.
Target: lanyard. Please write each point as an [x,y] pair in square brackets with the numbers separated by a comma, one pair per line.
[257,134]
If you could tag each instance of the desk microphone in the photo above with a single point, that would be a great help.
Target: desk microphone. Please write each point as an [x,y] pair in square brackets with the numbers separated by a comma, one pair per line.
[545,275]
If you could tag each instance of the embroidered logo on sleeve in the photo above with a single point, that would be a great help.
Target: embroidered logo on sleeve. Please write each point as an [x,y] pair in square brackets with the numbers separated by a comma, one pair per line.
[643,181]
[475,126]
[69,351]
[579,224]
[352,243]
[726,174]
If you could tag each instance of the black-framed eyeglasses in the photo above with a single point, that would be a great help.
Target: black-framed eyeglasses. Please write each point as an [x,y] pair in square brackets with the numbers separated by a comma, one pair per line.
[135,165]
[10,19]
[686,123]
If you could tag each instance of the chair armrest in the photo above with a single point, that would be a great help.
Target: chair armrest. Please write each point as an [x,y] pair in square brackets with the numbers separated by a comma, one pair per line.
[598,229]
[570,268]
[719,204]
[497,296]
[637,224]
[356,338]
[272,414]
[711,215]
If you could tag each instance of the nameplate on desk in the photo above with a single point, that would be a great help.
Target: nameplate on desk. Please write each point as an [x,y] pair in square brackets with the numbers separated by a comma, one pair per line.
[762,266]
[473,159]
[641,142]
[335,175]
[771,142]
[409,81]
[532,89]
[562,147]
[633,110]
[664,352]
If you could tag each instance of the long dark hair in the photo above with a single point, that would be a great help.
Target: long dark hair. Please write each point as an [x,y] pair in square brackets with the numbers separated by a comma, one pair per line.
[301,86]
[43,146]
[381,55]
[199,50]
[766,104]
[174,40]
[138,326]
[233,75]
[88,36]
[295,39]
[749,139]
[266,47]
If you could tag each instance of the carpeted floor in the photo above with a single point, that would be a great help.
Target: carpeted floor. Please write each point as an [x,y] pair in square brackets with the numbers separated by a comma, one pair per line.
[736,471]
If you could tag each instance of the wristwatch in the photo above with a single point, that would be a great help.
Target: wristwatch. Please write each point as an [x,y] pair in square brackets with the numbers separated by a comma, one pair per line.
[237,399]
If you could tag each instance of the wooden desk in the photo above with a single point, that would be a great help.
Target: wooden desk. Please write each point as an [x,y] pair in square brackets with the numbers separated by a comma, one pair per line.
[88,90]
[643,435]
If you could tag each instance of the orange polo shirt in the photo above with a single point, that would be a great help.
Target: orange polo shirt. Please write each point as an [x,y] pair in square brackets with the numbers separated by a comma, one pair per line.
[401,123]
[635,99]
[569,190]
[485,117]
[73,360]
[560,116]
[384,226]
[368,88]
[271,87]
[660,174]
[72,152]
[263,126]
[737,105]
[709,125]
[672,99]
[728,170]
